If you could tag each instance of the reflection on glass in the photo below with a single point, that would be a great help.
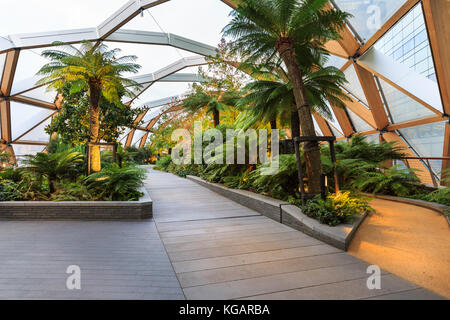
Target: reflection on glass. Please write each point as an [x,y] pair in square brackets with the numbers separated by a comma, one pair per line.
[407,43]
[402,107]
[369,15]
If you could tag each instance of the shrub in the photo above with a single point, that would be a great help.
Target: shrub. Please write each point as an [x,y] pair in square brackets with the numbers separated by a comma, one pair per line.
[9,191]
[280,185]
[70,191]
[393,181]
[163,163]
[54,166]
[336,209]
[441,196]
[116,184]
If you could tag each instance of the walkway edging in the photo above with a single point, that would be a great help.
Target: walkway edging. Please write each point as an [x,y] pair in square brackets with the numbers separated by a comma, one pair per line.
[289,215]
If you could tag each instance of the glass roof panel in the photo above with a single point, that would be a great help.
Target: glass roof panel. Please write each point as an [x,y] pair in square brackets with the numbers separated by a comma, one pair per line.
[335,61]
[353,85]
[30,62]
[203,20]
[407,43]
[373,138]
[137,137]
[24,117]
[2,62]
[42,94]
[369,15]
[402,107]
[38,133]
[359,124]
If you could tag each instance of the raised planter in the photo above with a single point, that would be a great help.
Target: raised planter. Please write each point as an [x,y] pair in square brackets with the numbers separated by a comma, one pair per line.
[78,210]
[287,214]
[420,203]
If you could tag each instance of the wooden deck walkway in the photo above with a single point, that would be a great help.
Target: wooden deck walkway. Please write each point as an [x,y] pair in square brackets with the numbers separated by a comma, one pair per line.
[222,250]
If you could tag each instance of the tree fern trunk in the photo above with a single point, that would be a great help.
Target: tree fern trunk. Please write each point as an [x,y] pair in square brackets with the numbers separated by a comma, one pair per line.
[273,124]
[312,151]
[216,115]
[94,126]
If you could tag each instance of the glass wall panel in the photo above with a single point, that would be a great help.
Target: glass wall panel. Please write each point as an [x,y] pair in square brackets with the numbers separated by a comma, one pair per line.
[359,124]
[407,43]
[24,117]
[402,107]
[353,85]
[29,63]
[369,15]
[427,140]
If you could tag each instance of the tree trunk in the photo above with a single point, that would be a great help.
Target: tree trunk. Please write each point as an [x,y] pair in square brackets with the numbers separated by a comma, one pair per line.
[312,151]
[273,124]
[216,115]
[94,126]
[295,127]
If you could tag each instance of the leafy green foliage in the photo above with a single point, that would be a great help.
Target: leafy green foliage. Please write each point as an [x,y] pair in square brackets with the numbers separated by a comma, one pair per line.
[116,184]
[393,181]
[336,209]
[55,166]
[441,196]
[8,190]
[282,184]
[163,163]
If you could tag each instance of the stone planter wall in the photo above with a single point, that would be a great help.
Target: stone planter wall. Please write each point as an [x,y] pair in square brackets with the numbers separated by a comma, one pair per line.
[78,210]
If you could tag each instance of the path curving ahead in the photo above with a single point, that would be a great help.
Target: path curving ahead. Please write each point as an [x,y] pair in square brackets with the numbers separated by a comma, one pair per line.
[222,250]
[409,241]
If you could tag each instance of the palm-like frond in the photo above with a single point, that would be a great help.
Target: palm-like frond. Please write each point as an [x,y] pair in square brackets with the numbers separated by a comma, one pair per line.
[79,67]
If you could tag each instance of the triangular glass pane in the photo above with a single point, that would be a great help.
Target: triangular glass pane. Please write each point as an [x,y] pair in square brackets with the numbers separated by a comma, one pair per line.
[353,85]
[375,138]
[38,133]
[369,16]
[137,137]
[41,94]
[335,61]
[2,62]
[359,124]
[24,117]
[30,62]
[428,141]
[407,43]
[402,107]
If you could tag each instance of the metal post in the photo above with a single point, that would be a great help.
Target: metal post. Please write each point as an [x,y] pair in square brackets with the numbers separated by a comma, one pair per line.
[299,169]
[333,160]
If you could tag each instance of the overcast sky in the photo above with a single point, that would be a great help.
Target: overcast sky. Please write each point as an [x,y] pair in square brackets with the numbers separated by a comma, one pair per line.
[200,20]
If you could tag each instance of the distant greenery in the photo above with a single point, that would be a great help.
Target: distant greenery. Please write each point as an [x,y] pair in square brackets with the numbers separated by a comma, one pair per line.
[60,176]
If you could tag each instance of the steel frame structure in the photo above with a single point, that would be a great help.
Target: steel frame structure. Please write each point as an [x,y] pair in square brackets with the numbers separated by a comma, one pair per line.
[370,65]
